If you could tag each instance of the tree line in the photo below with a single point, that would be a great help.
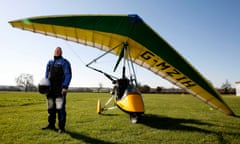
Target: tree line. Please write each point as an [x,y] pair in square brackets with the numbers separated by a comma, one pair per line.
[25,83]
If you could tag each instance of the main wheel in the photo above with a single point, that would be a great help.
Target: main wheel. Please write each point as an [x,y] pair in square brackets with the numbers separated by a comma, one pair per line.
[133,118]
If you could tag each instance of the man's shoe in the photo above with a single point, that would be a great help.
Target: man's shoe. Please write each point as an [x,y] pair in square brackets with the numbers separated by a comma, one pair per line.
[61,131]
[49,127]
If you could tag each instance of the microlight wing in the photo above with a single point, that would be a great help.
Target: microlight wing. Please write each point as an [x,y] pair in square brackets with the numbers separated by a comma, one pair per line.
[147,48]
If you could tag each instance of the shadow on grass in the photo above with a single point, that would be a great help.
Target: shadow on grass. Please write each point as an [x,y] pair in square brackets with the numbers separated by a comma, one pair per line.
[168,123]
[86,139]
[237,116]
[181,124]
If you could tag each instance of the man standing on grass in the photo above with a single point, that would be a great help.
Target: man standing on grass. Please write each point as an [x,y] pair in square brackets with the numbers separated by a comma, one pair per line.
[59,73]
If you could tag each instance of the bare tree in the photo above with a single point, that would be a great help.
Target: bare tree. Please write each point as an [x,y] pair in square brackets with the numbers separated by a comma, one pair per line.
[25,81]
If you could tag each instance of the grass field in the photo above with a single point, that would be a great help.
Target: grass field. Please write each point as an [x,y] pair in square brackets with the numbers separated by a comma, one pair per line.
[168,119]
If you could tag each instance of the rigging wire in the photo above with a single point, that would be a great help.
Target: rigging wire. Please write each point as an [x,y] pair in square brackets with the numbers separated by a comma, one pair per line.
[127,60]
[131,67]
[94,60]
[75,53]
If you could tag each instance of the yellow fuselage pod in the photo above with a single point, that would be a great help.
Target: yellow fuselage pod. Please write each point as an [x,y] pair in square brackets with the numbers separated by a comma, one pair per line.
[132,102]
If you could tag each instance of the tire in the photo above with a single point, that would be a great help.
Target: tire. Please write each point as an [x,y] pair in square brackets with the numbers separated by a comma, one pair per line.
[134,118]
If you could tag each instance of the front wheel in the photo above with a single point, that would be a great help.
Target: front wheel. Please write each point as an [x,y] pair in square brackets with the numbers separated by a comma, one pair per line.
[134,118]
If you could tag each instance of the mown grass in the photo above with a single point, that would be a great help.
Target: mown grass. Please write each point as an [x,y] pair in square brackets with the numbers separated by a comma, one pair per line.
[170,119]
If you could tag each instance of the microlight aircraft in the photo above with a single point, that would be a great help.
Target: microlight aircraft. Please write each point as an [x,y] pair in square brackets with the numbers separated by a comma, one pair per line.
[145,47]
[125,94]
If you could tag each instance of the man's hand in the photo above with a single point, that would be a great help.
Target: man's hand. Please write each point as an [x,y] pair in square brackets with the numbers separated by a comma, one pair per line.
[64,90]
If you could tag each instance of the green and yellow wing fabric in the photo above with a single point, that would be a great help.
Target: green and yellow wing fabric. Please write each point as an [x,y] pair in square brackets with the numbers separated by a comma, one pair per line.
[146,47]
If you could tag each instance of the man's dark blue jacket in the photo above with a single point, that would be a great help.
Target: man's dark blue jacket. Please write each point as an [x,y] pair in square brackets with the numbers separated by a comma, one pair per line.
[65,66]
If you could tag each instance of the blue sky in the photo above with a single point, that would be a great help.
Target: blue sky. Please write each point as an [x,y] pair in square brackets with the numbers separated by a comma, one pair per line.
[206,33]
